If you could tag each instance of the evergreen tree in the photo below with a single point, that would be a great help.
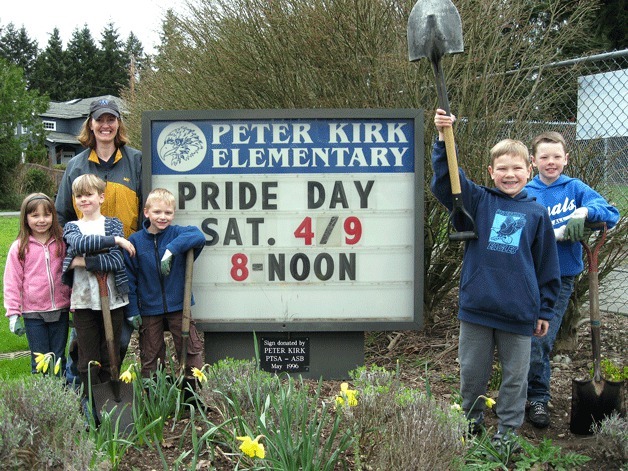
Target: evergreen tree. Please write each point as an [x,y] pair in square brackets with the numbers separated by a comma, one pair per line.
[50,71]
[18,49]
[83,65]
[113,72]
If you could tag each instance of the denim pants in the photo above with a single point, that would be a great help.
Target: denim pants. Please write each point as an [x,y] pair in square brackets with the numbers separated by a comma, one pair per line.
[539,375]
[476,347]
[46,337]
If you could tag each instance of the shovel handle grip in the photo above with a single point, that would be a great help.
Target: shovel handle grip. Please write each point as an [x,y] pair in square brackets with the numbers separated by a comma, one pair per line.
[452,161]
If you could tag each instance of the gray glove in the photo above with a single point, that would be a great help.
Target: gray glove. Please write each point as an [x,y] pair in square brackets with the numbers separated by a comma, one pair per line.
[16,325]
[574,230]
[166,263]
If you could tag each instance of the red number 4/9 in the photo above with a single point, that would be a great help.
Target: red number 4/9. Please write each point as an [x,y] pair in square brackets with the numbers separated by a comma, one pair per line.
[352,228]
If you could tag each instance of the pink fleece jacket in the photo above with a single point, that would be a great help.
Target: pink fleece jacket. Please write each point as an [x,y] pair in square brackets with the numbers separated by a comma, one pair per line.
[34,284]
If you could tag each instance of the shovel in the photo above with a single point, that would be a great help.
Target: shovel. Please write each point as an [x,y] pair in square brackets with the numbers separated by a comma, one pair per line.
[112,396]
[188,383]
[596,398]
[434,29]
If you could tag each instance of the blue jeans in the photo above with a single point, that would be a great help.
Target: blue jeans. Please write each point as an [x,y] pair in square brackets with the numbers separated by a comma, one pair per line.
[46,337]
[540,372]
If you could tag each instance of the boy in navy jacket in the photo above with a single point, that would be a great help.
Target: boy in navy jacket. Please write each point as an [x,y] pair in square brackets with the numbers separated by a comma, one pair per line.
[509,282]
[156,282]
[569,202]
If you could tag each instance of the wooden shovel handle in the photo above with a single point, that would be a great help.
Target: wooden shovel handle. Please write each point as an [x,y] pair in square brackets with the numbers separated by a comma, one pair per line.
[101,276]
[187,307]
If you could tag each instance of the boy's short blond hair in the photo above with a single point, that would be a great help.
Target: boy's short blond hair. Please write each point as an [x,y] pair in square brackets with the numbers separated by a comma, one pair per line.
[88,183]
[512,147]
[160,194]
[551,137]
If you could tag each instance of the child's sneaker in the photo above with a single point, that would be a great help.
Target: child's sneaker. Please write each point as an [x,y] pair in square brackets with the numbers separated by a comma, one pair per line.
[506,443]
[538,414]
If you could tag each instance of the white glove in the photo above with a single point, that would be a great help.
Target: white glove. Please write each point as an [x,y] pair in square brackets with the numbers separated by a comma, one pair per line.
[16,325]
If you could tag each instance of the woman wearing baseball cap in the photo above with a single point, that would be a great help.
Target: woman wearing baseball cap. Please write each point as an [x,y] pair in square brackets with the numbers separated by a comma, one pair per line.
[108,156]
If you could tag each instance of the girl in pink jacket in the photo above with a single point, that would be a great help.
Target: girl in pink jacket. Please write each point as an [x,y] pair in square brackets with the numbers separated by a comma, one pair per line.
[36,301]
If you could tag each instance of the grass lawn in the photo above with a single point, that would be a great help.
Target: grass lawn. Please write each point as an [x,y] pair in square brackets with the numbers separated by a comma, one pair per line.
[19,367]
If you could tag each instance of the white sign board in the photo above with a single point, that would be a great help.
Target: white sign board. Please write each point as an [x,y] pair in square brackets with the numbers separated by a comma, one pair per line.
[313,218]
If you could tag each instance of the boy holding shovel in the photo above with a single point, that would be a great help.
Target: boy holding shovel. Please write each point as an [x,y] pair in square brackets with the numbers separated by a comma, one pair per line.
[94,244]
[570,202]
[156,281]
[509,283]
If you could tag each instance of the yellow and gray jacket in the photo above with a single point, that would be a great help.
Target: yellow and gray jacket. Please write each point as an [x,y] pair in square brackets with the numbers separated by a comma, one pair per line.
[123,195]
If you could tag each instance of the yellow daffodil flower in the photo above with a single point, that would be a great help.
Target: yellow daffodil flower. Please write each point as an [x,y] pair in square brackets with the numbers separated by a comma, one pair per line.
[129,375]
[349,394]
[488,401]
[252,448]
[457,407]
[43,362]
[57,366]
[198,374]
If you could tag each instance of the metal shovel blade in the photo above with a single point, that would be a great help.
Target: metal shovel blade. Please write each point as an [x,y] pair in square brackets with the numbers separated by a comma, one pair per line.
[592,401]
[120,413]
[434,29]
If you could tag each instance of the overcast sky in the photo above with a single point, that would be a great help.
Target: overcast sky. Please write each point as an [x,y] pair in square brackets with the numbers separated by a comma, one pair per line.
[40,17]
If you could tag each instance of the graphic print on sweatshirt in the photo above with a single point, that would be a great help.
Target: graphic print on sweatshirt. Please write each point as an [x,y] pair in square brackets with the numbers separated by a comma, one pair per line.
[506,231]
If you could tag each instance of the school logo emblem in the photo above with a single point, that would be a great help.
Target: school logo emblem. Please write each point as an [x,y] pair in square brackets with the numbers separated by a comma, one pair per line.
[506,231]
[181,146]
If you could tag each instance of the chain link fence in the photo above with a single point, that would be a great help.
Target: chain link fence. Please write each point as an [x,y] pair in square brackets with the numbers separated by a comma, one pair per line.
[590,109]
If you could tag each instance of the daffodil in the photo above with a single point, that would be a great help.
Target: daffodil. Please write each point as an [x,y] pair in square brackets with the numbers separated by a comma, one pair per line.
[252,447]
[349,394]
[457,407]
[42,362]
[198,374]
[488,401]
[129,375]
[57,366]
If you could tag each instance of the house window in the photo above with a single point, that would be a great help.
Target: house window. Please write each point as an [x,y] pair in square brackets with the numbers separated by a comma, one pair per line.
[50,125]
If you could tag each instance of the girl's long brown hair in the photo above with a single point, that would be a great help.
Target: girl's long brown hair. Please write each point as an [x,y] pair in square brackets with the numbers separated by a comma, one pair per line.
[30,204]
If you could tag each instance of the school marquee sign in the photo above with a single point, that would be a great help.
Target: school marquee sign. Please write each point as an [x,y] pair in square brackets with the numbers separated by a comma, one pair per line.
[313,218]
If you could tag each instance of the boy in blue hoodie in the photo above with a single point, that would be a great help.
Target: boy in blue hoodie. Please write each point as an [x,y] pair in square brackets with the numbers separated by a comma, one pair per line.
[569,202]
[156,282]
[509,282]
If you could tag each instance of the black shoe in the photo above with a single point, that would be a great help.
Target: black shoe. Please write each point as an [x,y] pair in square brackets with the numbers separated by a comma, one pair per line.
[538,414]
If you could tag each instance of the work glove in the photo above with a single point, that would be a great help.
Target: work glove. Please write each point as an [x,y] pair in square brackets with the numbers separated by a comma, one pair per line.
[135,321]
[574,230]
[16,325]
[166,263]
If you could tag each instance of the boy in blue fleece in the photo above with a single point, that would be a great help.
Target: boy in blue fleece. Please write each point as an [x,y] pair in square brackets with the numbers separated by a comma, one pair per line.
[156,282]
[509,282]
[569,202]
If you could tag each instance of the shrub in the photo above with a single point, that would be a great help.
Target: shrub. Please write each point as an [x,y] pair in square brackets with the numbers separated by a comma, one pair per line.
[41,426]
[36,180]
